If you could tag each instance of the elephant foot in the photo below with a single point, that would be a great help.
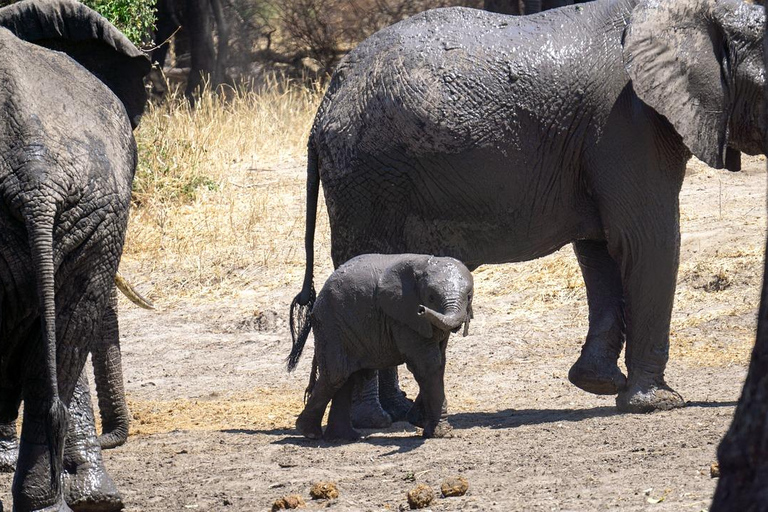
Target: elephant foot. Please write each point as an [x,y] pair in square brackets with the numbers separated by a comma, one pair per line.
[600,376]
[91,489]
[442,429]
[637,398]
[309,427]
[9,454]
[341,432]
[369,414]
[415,416]
[397,405]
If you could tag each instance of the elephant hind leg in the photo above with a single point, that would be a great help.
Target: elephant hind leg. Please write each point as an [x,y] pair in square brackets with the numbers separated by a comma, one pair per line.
[596,371]
[340,417]
[309,422]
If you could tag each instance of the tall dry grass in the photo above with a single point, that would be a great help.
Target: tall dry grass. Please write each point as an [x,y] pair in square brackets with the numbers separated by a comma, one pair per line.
[219,203]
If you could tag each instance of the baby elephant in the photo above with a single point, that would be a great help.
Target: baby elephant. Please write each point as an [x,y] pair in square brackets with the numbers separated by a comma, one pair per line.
[378,311]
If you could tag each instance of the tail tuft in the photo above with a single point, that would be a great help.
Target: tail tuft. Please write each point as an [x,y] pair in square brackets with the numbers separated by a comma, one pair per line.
[56,432]
[301,325]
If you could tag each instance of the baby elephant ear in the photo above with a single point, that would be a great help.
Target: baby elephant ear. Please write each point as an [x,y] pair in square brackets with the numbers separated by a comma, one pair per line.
[71,27]
[676,58]
[398,297]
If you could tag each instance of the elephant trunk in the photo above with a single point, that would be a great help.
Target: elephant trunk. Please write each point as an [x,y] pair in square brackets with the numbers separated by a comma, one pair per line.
[445,322]
[108,374]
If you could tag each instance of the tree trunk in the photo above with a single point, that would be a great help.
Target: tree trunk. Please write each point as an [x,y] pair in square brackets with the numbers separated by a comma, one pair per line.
[743,452]
[199,29]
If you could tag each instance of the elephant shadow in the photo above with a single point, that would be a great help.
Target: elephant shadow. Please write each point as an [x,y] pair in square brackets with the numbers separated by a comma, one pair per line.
[408,438]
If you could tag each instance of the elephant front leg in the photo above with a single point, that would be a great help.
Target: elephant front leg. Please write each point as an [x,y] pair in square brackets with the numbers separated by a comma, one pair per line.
[87,485]
[649,283]
[596,371]
[428,368]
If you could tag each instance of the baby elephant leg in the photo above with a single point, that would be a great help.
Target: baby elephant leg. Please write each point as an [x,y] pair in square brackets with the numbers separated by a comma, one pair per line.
[416,414]
[309,422]
[428,369]
[339,417]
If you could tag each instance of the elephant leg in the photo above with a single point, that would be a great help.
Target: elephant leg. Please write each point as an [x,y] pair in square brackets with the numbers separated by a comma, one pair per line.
[428,367]
[416,415]
[108,374]
[309,422]
[648,262]
[392,398]
[554,4]
[37,481]
[87,486]
[596,371]
[366,409]
[532,6]
[9,447]
[339,417]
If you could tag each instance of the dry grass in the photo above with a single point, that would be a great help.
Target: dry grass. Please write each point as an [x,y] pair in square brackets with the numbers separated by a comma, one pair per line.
[219,207]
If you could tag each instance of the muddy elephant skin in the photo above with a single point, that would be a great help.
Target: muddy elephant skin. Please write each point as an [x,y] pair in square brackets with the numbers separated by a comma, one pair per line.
[496,139]
[374,312]
[71,89]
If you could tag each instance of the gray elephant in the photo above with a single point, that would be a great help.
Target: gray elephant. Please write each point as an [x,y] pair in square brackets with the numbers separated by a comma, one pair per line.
[494,139]
[377,311]
[72,90]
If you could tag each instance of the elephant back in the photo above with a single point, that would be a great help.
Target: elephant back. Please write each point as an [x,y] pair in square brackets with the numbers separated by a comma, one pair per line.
[87,37]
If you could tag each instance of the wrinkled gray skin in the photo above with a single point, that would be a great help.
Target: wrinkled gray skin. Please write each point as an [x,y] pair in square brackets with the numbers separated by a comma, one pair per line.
[378,311]
[67,158]
[110,391]
[495,139]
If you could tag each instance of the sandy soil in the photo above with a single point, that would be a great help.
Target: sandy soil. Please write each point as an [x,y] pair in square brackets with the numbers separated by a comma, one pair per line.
[213,406]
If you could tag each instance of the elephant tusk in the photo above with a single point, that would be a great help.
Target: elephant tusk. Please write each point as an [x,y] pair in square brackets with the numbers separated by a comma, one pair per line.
[124,286]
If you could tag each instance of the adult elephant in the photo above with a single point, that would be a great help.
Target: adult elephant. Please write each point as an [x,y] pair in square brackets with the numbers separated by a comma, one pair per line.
[72,90]
[193,21]
[497,139]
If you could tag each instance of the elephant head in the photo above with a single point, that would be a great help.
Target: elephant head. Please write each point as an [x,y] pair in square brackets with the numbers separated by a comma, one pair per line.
[699,63]
[427,292]
[71,27]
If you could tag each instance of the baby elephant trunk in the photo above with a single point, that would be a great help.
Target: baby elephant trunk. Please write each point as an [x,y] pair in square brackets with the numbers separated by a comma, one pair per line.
[445,322]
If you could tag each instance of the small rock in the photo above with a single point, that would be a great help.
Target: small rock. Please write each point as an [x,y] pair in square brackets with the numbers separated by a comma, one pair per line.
[714,470]
[420,496]
[454,486]
[324,491]
[288,502]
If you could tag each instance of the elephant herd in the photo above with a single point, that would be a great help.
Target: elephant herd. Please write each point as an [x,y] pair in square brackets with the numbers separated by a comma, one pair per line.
[452,139]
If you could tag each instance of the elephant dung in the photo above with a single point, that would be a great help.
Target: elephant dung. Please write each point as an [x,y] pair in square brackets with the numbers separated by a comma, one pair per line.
[324,491]
[420,496]
[714,470]
[454,486]
[288,502]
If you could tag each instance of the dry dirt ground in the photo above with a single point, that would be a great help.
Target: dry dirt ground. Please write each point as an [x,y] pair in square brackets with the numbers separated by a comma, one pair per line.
[214,408]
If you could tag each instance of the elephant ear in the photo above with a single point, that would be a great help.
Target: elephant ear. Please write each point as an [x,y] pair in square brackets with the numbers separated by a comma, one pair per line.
[676,56]
[397,294]
[71,27]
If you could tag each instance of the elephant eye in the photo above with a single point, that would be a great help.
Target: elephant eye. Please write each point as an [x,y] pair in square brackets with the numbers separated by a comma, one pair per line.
[431,298]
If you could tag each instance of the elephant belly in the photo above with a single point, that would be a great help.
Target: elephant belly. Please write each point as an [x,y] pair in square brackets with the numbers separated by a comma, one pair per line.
[484,206]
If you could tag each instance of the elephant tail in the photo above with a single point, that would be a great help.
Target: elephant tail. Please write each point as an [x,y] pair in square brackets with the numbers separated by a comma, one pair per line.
[312,380]
[40,225]
[301,306]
